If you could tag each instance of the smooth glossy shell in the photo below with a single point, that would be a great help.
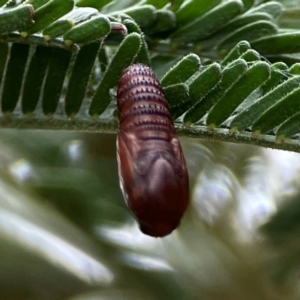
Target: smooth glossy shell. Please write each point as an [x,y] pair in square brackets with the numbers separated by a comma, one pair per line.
[152,169]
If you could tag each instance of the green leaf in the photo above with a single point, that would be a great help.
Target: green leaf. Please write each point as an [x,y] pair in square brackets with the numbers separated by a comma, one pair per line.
[209,23]
[66,22]
[93,29]
[255,76]
[143,55]
[34,78]
[190,10]
[122,58]
[177,94]
[288,59]
[277,76]
[278,44]
[83,66]
[200,84]
[288,128]
[231,73]
[176,4]
[143,15]
[35,3]
[182,71]
[157,3]
[99,4]
[278,113]
[47,14]
[231,27]
[18,18]
[58,66]
[3,58]
[165,21]
[57,29]
[272,8]
[250,56]
[239,49]
[295,69]
[13,77]
[248,116]
[248,32]
[103,58]
[248,4]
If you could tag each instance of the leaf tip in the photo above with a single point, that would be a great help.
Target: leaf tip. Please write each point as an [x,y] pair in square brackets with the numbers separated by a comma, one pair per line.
[234,129]
[68,43]
[280,139]
[24,34]
[187,123]
[256,133]
[47,38]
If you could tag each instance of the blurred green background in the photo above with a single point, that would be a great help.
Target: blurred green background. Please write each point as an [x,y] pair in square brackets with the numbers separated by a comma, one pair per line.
[66,232]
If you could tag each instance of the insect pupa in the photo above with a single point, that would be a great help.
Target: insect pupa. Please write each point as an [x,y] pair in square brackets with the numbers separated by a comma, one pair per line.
[152,169]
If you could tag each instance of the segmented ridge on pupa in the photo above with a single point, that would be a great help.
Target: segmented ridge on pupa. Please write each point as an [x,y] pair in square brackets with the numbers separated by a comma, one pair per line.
[141,101]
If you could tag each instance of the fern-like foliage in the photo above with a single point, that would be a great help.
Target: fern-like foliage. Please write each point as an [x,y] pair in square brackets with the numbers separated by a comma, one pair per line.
[61,59]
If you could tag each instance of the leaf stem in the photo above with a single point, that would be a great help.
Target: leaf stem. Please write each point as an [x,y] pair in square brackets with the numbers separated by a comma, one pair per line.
[92,125]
